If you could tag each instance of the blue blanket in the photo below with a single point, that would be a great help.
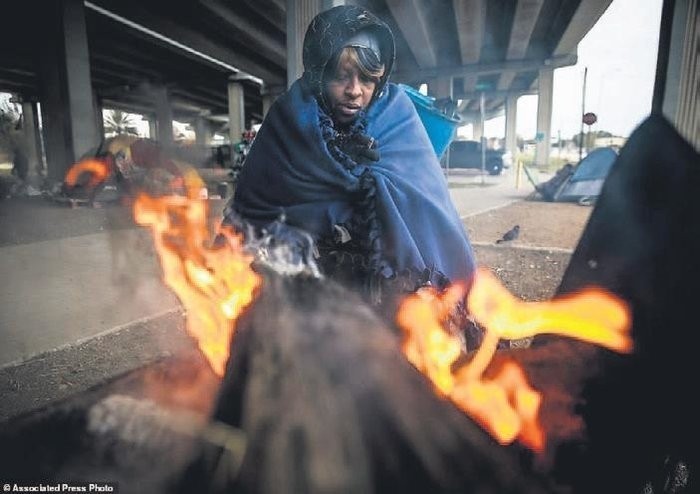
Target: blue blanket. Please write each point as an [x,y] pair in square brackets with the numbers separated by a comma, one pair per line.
[290,170]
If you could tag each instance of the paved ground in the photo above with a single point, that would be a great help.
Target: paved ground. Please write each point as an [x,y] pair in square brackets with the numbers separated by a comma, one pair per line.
[82,298]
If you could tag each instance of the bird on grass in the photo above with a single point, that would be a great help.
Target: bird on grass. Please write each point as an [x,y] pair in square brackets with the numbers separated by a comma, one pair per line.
[511,234]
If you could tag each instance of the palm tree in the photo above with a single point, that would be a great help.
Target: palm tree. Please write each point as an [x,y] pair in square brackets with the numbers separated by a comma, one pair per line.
[118,122]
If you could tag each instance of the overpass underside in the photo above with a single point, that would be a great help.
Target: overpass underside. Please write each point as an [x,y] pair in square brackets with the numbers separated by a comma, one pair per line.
[219,64]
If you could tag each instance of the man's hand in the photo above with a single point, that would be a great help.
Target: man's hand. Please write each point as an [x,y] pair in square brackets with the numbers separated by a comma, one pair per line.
[361,148]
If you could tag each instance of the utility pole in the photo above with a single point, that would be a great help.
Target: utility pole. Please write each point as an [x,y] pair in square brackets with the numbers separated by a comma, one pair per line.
[483,138]
[583,112]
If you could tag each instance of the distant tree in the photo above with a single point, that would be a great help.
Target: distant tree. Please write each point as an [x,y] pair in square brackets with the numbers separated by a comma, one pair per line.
[118,122]
[10,123]
[588,139]
[591,136]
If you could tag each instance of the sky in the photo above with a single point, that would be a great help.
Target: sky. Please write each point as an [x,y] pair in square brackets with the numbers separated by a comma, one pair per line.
[620,53]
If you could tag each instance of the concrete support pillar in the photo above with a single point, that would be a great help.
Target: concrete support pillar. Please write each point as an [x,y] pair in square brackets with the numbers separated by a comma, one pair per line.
[32,138]
[511,117]
[544,116]
[68,114]
[440,88]
[202,132]
[299,16]
[682,78]
[164,117]
[236,111]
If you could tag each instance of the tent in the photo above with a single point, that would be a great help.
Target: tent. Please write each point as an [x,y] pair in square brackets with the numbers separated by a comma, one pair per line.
[581,183]
[589,175]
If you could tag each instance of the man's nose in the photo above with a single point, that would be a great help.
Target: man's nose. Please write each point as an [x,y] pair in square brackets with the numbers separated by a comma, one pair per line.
[353,87]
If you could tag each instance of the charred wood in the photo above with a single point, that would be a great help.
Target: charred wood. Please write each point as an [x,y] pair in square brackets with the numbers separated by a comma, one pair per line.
[329,404]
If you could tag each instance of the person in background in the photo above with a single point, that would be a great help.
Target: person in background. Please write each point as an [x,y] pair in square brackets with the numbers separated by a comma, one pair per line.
[20,163]
[344,156]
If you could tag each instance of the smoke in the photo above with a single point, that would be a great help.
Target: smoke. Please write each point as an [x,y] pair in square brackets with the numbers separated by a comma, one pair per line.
[285,249]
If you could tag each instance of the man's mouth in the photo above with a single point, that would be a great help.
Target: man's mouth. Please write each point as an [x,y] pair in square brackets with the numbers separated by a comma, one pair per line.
[349,109]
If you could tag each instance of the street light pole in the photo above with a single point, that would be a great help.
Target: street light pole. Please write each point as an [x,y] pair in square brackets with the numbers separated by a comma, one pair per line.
[483,138]
[583,112]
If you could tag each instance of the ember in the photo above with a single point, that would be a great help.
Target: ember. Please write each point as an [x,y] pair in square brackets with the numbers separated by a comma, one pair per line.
[504,405]
[214,284]
[98,170]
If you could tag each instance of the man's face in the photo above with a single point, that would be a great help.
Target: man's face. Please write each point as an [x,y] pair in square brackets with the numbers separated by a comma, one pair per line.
[348,91]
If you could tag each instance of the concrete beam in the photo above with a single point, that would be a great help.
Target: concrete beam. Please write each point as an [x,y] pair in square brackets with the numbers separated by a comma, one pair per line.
[585,17]
[249,34]
[470,16]
[182,39]
[494,102]
[526,15]
[272,11]
[414,27]
[490,68]
[469,116]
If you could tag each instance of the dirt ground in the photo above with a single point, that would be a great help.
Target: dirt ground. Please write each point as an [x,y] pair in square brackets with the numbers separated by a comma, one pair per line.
[531,265]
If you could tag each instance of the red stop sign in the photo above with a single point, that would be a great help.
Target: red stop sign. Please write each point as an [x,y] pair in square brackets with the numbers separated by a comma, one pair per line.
[589,118]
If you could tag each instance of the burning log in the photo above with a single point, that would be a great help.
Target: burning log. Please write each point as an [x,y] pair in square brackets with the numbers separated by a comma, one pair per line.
[329,404]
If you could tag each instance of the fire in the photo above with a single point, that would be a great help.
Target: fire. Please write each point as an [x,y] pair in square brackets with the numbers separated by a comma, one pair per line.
[504,404]
[99,170]
[214,284]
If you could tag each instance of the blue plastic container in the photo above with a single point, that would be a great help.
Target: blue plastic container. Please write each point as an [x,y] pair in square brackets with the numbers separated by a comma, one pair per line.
[441,128]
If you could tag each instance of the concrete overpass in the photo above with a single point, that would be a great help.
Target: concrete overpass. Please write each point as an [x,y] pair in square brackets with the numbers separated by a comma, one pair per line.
[212,62]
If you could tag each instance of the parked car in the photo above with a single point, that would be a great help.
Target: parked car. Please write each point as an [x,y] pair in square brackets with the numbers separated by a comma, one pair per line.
[467,154]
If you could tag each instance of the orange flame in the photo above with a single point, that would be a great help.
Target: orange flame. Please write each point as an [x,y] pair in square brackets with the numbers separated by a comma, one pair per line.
[505,405]
[214,284]
[99,170]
